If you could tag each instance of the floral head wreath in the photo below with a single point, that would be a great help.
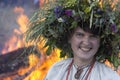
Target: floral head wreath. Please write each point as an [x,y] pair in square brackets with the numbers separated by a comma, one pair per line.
[56,18]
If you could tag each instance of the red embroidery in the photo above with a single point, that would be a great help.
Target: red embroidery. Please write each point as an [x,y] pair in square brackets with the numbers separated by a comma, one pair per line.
[79,72]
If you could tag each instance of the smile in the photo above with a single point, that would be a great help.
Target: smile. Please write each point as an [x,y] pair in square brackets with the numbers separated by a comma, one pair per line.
[85,49]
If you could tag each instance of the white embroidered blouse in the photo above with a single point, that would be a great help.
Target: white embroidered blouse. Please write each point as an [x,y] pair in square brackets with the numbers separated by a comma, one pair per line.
[100,71]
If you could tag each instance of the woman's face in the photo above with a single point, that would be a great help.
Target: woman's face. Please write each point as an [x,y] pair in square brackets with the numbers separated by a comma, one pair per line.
[84,44]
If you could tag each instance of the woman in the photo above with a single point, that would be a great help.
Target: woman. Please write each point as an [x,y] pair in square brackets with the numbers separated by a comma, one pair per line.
[83,66]
[85,31]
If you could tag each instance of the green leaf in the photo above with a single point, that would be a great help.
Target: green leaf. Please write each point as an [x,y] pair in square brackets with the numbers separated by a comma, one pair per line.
[49,50]
[62,54]
[70,2]
[74,24]
[87,10]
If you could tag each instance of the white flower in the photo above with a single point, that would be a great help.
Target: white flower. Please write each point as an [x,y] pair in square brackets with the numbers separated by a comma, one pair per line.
[61,20]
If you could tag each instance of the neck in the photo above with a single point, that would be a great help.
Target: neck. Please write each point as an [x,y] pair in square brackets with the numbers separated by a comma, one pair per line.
[81,62]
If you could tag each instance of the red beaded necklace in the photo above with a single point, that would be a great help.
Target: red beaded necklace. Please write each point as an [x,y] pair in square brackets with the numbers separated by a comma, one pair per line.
[89,70]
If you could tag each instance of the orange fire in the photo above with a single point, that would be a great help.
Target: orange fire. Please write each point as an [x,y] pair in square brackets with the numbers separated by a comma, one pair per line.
[38,66]
[16,41]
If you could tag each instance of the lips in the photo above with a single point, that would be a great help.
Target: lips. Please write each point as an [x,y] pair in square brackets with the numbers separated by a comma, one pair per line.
[85,48]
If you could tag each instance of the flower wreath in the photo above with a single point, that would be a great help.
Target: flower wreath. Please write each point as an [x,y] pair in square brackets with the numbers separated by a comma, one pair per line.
[56,18]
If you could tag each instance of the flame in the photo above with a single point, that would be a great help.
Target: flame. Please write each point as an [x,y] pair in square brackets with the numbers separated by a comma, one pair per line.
[13,44]
[38,66]
[42,2]
[15,41]
[41,65]
[109,64]
[22,19]
[112,3]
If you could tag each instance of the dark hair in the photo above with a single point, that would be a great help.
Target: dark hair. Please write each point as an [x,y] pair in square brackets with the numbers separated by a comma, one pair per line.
[96,30]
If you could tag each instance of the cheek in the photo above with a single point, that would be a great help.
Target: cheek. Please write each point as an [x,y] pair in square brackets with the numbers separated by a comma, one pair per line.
[74,41]
[96,43]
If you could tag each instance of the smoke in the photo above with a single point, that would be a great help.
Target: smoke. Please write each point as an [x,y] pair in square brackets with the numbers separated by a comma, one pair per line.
[8,17]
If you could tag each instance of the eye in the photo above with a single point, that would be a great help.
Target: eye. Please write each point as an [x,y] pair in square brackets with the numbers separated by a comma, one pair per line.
[94,36]
[79,34]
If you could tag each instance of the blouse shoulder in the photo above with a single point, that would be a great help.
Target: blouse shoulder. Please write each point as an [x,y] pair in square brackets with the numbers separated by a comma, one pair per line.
[106,71]
[103,67]
[58,68]
[62,63]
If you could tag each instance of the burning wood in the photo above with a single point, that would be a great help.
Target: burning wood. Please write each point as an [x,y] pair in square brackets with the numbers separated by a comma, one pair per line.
[13,61]
[21,77]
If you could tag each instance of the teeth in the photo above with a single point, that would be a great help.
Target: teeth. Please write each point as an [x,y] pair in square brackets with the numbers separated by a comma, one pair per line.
[85,49]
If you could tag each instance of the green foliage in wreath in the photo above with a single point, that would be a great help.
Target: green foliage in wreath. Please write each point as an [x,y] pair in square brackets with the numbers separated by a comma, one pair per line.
[54,20]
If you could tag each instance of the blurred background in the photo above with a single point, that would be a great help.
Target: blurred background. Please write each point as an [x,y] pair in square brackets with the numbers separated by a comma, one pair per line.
[14,15]
[16,63]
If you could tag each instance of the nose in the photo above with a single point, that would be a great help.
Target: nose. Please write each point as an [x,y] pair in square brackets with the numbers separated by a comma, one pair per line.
[86,40]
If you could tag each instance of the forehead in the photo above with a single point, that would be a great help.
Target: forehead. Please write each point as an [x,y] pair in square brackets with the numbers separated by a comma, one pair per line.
[80,30]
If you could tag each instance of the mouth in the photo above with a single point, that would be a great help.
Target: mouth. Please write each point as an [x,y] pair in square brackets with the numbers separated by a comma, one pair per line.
[85,49]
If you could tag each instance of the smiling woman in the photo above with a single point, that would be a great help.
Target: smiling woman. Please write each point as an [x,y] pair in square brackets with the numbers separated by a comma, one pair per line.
[86,32]
[84,45]
[83,65]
